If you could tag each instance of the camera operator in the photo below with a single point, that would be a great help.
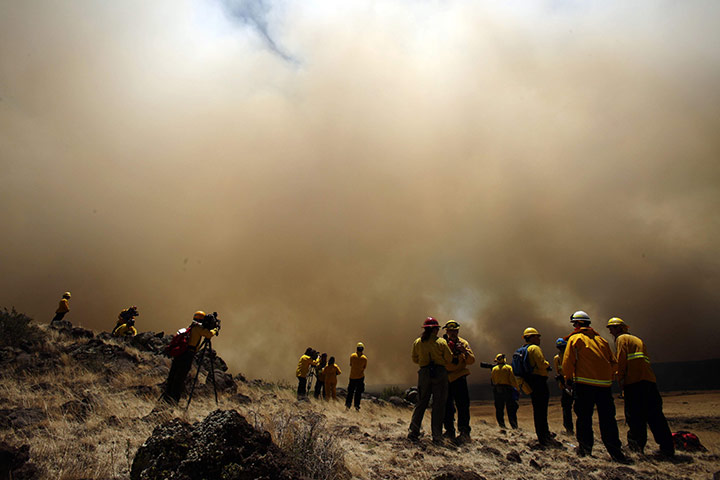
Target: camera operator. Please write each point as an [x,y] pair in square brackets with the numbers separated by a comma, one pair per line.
[202,325]
[125,326]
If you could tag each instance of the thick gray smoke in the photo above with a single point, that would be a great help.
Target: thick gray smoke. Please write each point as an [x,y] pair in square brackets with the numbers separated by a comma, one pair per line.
[500,164]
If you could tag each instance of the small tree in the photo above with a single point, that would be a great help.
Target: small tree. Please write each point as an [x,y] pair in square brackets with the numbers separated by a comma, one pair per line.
[15,329]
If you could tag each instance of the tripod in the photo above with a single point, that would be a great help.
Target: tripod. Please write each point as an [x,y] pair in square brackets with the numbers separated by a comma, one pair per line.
[205,346]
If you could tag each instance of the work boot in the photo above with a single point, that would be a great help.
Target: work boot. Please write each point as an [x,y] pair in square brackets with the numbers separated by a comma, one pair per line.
[463,438]
[582,451]
[413,436]
[620,457]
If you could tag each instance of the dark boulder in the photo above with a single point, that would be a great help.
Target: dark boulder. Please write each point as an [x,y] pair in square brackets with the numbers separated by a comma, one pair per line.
[14,463]
[223,382]
[98,355]
[452,472]
[224,445]
[150,342]
[21,417]
[398,402]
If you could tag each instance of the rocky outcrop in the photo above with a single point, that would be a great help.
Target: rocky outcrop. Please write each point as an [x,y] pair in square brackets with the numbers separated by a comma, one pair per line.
[14,463]
[224,445]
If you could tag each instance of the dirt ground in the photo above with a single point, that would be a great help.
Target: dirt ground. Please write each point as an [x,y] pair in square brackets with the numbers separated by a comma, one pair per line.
[697,412]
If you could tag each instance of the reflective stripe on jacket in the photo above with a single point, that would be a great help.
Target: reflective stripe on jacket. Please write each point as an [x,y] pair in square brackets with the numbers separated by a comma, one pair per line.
[588,359]
[633,362]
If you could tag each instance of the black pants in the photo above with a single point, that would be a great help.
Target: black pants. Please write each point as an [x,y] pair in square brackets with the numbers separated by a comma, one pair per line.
[540,398]
[504,400]
[319,387]
[58,316]
[355,389]
[175,384]
[643,408]
[586,398]
[566,402]
[302,387]
[459,397]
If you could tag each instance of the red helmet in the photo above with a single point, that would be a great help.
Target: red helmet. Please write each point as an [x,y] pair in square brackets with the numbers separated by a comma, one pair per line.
[430,322]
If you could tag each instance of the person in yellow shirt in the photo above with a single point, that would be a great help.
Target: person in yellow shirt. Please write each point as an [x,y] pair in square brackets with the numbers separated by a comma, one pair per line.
[505,391]
[590,364]
[125,326]
[458,395]
[307,360]
[320,383]
[63,308]
[537,382]
[431,354]
[330,373]
[202,326]
[643,403]
[566,398]
[356,383]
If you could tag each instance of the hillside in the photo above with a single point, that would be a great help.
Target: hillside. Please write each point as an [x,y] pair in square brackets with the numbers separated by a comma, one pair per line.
[75,404]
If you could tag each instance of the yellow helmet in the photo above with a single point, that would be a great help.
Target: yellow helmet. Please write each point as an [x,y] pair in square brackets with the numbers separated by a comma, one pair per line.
[452,325]
[360,346]
[67,295]
[530,331]
[615,321]
[199,316]
[499,358]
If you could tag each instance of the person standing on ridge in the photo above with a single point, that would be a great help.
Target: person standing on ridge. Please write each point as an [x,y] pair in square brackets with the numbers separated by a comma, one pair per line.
[537,381]
[356,383]
[566,397]
[63,308]
[643,404]
[590,364]
[202,326]
[458,395]
[431,354]
[303,368]
[505,391]
[330,373]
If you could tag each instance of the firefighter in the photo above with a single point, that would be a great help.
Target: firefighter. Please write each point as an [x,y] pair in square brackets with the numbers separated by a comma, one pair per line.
[643,404]
[590,364]
[431,354]
[458,395]
[125,326]
[63,308]
[330,373]
[201,326]
[356,383]
[537,382]
[320,383]
[566,397]
[505,391]
[307,360]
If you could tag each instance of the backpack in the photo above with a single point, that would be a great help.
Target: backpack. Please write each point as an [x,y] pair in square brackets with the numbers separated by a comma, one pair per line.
[179,343]
[687,441]
[521,362]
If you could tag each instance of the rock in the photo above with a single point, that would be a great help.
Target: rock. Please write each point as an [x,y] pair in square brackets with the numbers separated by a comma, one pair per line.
[14,463]
[224,445]
[240,378]
[96,354]
[77,409]
[398,402]
[514,456]
[240,398]
[149,342]
[452,472]
[535,464]
[79,332]
[491,451]
[223,382]
[21,417]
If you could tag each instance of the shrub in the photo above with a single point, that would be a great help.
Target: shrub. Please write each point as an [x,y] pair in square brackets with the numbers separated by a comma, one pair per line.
[392,391]
[16,330]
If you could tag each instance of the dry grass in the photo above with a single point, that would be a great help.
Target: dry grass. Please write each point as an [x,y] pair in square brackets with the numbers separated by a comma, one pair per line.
[320,435]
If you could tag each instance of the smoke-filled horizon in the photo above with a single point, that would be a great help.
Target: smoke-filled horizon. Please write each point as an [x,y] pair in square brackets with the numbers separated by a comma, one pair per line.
[325,174]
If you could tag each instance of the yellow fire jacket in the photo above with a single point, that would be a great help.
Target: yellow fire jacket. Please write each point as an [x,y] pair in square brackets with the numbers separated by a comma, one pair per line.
[357,366]
[537,360]
[196,333]
[633,363]
[435,349]
[304,366]
[459,369]
[331,372]
[502,374]
[124,330]
[63,306]
[588,359]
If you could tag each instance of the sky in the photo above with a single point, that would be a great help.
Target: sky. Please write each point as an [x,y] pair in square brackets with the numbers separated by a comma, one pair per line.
[323,173]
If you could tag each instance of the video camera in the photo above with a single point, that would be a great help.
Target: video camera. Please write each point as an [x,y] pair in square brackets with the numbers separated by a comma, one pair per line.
[211,321]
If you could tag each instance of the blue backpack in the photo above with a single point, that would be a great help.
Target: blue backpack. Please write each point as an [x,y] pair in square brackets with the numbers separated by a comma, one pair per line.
[521,362]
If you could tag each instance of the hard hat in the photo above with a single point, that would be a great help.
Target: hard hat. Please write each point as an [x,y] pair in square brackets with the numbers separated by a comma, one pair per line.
[452,325]
[499,357]
[67,294]
[561,342]
[360,346]
[199,316]
[616,321]
[579,316]
[530,331]
[430,322]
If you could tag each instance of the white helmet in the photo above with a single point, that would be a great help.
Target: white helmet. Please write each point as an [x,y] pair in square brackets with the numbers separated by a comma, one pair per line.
[579,316]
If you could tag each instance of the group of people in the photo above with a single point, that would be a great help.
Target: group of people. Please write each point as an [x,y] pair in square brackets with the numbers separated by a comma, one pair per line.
[326,371]
[585,367]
